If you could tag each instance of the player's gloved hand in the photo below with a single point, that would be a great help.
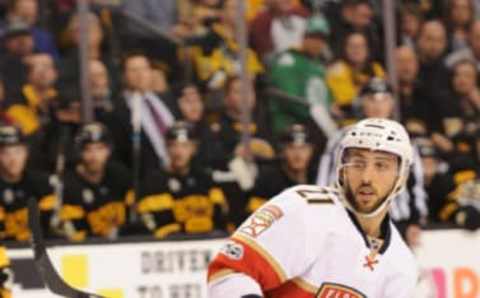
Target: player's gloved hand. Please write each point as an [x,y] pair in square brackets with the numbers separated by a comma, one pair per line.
[468,217]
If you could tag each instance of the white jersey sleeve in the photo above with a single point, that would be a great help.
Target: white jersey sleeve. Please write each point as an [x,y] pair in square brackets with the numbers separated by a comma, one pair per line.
[272,246]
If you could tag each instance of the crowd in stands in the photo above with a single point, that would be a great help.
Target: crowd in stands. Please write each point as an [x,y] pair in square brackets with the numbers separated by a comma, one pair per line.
[183,143]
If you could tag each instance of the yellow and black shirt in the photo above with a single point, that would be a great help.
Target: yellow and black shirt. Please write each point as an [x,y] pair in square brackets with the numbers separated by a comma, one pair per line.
[218,53]
[6,275]
[461,203]
[13,204]
[189,204]
[95,209]
[28,114]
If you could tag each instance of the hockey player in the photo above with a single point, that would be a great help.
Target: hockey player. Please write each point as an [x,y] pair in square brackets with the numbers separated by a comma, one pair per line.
[296,150]
[18,184]
[97,190]
[182,198]
[410,210]
[313,241]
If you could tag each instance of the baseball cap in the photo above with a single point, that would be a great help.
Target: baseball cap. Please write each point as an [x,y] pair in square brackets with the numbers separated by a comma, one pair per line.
[181,131]
[317,25]
[296,134]
[11,135]
[376,85]
[16,28]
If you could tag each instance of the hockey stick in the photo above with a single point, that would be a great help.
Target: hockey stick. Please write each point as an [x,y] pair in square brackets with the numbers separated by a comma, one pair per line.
[50,276]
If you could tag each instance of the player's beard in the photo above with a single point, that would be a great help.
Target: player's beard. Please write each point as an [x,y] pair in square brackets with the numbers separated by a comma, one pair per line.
[353,202]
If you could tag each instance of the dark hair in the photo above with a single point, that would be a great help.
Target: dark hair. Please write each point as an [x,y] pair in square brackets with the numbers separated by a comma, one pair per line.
[412,9]
[11,4]
[462,62]
[229,82]
[447,15]
[179,88]
[132,54]
[368,62]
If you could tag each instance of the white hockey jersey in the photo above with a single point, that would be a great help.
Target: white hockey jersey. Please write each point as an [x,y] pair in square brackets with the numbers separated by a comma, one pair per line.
[304,243]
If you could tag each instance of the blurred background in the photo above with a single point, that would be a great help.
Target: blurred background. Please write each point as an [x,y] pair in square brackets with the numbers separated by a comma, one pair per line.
[150,129]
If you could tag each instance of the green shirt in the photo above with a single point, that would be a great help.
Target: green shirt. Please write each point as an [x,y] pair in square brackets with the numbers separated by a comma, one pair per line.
[296,74]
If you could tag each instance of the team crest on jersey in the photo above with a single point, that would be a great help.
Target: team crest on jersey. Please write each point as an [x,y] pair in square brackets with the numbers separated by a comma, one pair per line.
[333,290]
[88,196]
[8,196]
[262,220]
[174,185]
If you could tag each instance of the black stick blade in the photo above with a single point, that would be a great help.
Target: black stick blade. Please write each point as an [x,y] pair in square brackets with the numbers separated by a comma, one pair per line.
[53,281]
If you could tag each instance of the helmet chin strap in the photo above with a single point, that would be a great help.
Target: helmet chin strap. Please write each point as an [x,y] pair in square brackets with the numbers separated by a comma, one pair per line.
[377,211]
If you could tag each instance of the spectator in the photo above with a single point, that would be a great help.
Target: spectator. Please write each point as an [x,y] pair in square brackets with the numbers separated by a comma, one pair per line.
[355,16]
[410,22]
[161,14]
[100,89]
[217,57]
[155,116]
[191,109]
[472,52]
[463,111]
[459,16]
[350,73]
[159,80]
[234,163]
[301,73]
[414,106]
[228,129]
[197,15]
[465,88]
[18,43]
[436,180]
[432,42]
[431,48]
[96,190]
[278,28]
[409,210]
[182,199]
[18,184]
[70,64]
[36,104]
[296,151]
[32,110]
[27,12]
[460,206]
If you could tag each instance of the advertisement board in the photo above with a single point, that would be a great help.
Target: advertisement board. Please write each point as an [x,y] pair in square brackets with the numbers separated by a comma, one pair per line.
[143,270]
[450,263]
[449,260]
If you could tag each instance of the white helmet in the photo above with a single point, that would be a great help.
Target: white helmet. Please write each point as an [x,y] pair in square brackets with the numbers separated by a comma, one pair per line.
[382,135]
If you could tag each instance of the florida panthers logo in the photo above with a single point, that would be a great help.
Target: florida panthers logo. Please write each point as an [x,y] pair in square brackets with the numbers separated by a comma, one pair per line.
[332,290]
